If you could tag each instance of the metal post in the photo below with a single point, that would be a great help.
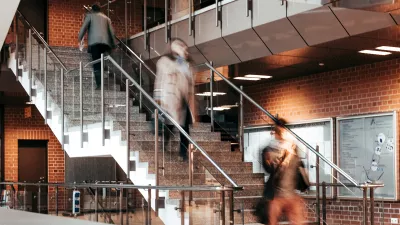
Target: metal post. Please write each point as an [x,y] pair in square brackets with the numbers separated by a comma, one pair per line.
[128,126]
[182,208]
[317,187]
[365,205]
[241,125]
[39,197]
[190,173]
[121,197]
[190,17]
[96,215]
[216,13]
[16,47]
[371,205]
[212,96]
[56,200]
[145,23]
[231,208]
[126,22]
[102,101]
[247,8]
[45,85]
[166,21]
[140,83]
[222,218]
[24,197]
[62,108]
[324,203]
[30,63]
[81,100]
[156,157]
[12,197]
[149,205]
[145,212]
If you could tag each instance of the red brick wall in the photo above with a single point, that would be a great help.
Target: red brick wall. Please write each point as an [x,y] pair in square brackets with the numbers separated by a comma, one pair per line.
[16,127]
[358,90]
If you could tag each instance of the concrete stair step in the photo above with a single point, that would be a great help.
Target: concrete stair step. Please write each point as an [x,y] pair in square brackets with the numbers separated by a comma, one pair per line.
[173,146]
[218,157]
[197,136]
[147,127]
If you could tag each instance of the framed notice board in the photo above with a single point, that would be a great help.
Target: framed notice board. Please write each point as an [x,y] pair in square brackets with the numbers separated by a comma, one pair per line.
[315,132]
[366,148]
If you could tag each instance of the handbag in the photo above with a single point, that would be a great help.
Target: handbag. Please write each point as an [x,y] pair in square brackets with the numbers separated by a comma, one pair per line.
[303,183]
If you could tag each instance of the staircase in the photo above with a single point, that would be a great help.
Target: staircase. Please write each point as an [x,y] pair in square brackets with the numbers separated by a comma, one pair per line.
[141,150]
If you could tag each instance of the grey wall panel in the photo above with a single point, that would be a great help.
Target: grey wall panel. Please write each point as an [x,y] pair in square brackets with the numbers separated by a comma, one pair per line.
[396,17]
[265,11]
[362,3]
[157,43]
[280,36]
[205,28]
[137,45]
[196,55]
[218,52]
[234,18]
[181,30]
[295,6]
[361,21]
[318,26]
[247,45]
[89,168]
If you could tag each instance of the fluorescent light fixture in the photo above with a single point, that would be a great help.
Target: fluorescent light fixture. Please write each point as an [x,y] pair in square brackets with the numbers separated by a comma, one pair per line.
[207,93]
[219,108]
[246,78]
[374,52]
[229,106]
[389,48]
[116,106]
[258,76]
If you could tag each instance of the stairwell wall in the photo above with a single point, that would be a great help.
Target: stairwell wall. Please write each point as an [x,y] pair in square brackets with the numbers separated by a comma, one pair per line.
[365,89]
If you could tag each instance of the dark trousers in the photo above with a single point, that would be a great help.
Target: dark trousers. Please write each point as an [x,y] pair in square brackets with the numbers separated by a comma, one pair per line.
[96,51]
[184,145]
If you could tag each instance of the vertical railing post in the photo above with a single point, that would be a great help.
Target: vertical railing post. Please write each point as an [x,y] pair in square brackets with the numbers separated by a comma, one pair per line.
[371,205]
[145,212]
[241,125]
[216,13]
[156,157]
[96,199]
[39,198]
[190,17]
[30,63]
[56,200]
[222,212]
[317,187]
[128,127]
[145,23]
[140,84]
[126,22]
[166,21]
[12,197]
[45,84]
[182,207]
[81,101]
[212,97]
[24,198]
[324,203]
[365,206]
[62,108]
[149,205]
[102,101]
[191,153]
[121,197]
[16,47]
[232,208]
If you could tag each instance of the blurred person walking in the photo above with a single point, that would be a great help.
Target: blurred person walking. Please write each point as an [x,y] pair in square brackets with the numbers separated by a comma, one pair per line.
[287,174]
[101,37]
[174,90]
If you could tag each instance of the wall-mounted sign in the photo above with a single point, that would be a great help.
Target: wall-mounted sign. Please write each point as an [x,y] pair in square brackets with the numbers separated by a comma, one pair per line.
[367,152]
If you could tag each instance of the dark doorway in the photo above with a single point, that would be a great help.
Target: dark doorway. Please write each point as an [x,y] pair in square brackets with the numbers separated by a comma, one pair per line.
[32,168]
[36,12]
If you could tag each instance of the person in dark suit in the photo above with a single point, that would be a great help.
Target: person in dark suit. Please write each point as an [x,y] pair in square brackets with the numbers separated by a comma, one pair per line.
[101,37]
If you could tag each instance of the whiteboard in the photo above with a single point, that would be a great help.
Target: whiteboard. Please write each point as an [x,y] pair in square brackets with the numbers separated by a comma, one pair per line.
[367,152]
[316,132]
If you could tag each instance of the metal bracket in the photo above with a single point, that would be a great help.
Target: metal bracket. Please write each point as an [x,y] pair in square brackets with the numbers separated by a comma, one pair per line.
[107,133]
[49,114]
[33,92]
[132,165]
[66,139]
[85,137]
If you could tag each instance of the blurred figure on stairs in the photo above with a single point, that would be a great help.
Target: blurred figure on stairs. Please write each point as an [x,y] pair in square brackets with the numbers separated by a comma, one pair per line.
[101,37]
[174,90]
[286,170]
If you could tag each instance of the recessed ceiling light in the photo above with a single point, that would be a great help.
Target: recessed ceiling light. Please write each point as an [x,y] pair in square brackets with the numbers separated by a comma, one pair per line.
[389,48]
[246,78]
[321,64]
[219,108]
[207,93]
[258,76]
[374,52]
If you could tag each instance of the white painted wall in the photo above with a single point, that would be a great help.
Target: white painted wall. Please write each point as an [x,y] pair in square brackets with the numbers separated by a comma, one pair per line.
[7,12]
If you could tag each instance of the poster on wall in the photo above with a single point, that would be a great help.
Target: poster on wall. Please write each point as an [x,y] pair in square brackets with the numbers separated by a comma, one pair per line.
[316,132]
[367,152]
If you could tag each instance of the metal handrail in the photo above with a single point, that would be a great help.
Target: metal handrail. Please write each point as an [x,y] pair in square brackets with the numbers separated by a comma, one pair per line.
[124,186]
[338,169]
[41,39]
[176,124]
